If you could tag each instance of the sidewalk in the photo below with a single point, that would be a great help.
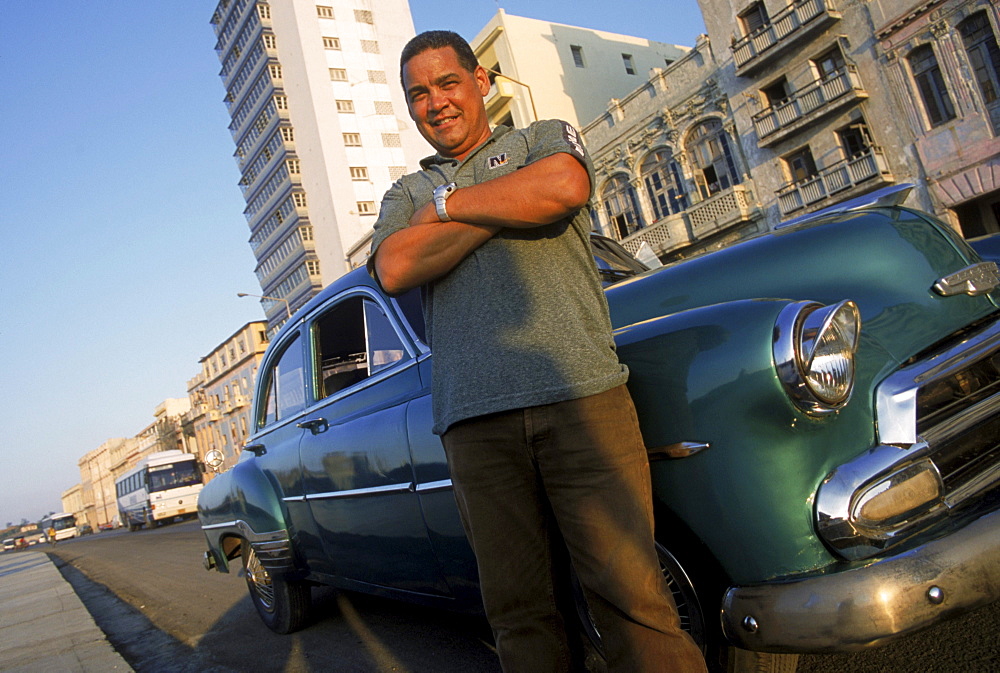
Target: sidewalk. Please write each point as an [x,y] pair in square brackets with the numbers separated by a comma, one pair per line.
[44,628]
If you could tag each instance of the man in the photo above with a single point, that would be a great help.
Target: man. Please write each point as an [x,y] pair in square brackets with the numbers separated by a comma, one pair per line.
[528,394]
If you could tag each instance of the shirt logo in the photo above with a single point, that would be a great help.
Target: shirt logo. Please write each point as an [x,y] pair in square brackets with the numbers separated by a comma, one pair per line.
[572,138]
[497,161]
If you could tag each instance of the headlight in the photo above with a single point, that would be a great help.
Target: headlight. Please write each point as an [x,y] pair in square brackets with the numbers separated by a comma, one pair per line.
[814,347]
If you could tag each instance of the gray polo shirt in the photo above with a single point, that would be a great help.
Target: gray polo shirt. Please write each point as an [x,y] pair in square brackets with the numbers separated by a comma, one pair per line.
[523,320]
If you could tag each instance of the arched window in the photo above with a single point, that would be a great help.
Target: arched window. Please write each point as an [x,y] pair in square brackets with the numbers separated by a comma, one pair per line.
[662,177]
[622,206]
[930,84]
[712,158]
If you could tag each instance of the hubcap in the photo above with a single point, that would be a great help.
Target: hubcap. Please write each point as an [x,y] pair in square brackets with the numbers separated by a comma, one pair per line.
[259,581]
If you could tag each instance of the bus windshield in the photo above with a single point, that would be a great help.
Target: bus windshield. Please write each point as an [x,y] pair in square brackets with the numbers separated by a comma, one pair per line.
[63,522]
[173,475]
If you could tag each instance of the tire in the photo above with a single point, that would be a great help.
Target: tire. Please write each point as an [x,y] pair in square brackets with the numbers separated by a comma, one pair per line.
[283,605]
[707,633]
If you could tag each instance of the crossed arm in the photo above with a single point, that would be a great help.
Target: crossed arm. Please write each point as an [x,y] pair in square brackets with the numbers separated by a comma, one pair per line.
[540,193]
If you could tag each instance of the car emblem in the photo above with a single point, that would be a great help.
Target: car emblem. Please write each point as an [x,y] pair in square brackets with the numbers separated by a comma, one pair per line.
[975,279]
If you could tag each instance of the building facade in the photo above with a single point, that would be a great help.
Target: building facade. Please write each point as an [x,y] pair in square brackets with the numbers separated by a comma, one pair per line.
[671,173]
[97,484]
[545,70]
[321,132]
[221,394]
[837,98]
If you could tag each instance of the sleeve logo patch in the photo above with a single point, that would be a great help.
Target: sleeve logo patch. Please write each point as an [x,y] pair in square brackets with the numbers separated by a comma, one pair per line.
[572,138]
[497,161]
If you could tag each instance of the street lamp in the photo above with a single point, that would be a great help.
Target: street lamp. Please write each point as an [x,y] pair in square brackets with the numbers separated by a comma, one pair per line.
[288,308]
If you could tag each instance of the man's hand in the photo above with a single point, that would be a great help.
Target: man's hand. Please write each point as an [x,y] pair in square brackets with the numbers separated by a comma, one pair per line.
[540,193]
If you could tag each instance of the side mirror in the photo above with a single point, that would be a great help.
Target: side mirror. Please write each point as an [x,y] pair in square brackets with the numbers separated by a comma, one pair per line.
[214,459]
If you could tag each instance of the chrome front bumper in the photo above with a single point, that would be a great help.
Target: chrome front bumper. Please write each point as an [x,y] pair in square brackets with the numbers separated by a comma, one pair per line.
[863,606]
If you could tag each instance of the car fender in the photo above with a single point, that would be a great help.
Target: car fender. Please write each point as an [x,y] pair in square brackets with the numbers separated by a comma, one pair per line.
[709,400]
[244,503]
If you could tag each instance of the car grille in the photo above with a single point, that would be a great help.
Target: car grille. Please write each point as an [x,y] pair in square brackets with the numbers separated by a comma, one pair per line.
[958,415]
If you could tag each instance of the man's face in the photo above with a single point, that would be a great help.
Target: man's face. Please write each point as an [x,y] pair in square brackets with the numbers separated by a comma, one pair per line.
[446,101]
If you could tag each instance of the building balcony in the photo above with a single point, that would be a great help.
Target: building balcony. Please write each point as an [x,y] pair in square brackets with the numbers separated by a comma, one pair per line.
[807,105]
[501,91]
[773,40]
[721,211]
[868,166]
[703,219]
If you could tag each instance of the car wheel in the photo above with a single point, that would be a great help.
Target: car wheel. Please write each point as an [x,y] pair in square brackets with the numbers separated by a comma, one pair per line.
[283,605]
[720,657]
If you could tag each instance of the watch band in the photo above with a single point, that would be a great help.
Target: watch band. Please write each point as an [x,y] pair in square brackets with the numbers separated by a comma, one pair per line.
[441,195]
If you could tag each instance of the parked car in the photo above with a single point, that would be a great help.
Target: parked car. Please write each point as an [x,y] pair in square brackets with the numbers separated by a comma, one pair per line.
[819,404]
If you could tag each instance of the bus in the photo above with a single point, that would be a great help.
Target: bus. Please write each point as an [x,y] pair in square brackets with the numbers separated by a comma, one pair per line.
[64,524]
[160,487]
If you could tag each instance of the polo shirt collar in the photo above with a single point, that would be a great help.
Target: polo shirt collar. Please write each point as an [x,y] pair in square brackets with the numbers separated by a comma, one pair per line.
[437,159]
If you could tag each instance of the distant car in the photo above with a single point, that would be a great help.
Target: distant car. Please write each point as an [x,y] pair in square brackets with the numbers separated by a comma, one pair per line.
[820,405]
[8,544]
[84,529]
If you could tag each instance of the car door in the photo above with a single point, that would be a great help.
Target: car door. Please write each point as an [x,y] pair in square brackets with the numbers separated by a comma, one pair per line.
[357,474]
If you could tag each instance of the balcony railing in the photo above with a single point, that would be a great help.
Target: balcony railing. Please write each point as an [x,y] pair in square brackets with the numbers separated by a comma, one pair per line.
[720,211]
[842,175]
[716,213]
[786,27]
[819,98]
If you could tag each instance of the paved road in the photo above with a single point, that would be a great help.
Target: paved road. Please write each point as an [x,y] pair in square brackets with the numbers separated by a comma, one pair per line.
[164,612]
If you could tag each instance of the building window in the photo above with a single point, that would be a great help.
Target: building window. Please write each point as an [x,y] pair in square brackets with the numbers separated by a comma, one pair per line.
[287,134]
[383,107]
[359,173]
[300,199]
[306,233]
[369,46]
[621,205]
[984,57]
[711,158]
[776,93]
[345,106]
[281,102]
[629,64]
[754,18]
[377,77]
[363,16]
[324,12]
[264,11]
[800,166]
[577,52]
[855,140]
[366,207]
[270,42]
[391,140]
[661,175]
[331,43]
[930,84]
[829,64]
[312,266]
[396,172]
[352,139]
[338,74]
[293,166]
[275,71]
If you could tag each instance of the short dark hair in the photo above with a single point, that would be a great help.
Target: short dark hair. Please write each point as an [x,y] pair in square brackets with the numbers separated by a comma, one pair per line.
[439,39]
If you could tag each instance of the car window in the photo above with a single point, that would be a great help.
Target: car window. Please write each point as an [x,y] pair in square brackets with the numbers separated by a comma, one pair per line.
[285,391]
[352,341]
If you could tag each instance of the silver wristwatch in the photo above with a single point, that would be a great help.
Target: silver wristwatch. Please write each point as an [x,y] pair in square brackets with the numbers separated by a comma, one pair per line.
[441,195]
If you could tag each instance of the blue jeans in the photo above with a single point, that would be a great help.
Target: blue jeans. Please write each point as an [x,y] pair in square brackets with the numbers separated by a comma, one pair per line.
[531,483]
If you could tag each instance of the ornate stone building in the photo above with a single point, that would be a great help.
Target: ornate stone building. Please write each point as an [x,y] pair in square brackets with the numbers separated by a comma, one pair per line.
[671,172]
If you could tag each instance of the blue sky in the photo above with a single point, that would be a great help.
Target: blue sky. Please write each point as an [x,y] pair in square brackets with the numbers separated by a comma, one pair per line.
[122,238]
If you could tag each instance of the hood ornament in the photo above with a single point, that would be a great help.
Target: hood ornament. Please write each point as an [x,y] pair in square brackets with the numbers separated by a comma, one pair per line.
[974,280]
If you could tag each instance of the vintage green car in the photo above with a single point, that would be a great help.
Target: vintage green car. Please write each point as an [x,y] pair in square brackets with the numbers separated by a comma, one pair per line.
[820,407]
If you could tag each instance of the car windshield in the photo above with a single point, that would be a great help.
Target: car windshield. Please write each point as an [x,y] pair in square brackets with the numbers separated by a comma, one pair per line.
[614,262]
[174,475]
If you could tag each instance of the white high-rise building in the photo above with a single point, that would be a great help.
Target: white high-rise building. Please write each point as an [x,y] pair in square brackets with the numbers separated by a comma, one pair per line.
[321,131]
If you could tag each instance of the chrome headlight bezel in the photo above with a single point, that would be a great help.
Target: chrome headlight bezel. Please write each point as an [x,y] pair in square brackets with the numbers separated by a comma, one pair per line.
[814,348]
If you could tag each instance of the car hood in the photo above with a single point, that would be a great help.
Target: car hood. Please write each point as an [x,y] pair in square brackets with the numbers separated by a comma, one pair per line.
[886,260]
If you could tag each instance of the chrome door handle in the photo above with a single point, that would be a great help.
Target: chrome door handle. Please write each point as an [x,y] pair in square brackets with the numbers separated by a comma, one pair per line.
[256,449]
[315,425]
